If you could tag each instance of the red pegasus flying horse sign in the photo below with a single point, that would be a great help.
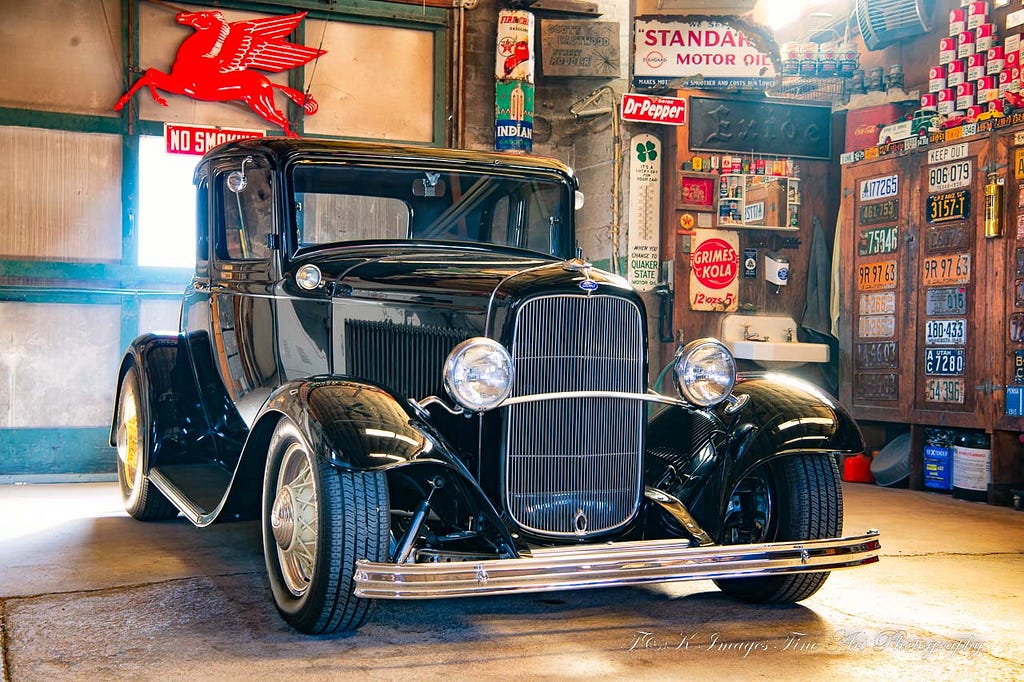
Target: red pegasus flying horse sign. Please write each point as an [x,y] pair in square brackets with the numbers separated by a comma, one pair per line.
[216,64]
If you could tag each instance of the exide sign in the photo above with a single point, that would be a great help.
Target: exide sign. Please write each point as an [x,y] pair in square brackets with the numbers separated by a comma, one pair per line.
[648,109]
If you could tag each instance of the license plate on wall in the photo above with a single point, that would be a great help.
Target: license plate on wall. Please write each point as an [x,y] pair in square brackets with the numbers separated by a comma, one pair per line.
[944,361]
[945,332]
[876,326]
[953,268]
[878,240]
[949,176]
[878,275]
[946,301]
[944,390]
[948,206]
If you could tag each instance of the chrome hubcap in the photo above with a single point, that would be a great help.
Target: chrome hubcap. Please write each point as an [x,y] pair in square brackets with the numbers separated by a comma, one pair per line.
[293,519]
[282,519]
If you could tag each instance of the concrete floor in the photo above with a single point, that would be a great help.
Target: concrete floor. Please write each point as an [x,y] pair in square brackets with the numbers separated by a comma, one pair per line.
[86,593]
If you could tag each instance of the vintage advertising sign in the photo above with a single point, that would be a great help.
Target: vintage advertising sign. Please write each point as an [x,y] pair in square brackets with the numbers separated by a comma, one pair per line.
[949,176]
[513,117]
[221,61]
[699,54]
[649,109]
[579,48]
[954,268]
[949,153]
[514,59]
[880,187]
[714,266]
[747,126]
[197,140]
[877,276]
[643,250]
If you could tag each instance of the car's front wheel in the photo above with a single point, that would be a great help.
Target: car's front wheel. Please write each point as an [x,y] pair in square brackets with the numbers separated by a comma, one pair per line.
[317,522]
[793,498]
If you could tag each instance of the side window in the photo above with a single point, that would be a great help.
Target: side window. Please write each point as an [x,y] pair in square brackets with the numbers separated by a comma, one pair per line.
[245,215]
[203,227]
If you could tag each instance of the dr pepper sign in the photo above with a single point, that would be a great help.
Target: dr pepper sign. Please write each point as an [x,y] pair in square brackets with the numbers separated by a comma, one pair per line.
[714,266]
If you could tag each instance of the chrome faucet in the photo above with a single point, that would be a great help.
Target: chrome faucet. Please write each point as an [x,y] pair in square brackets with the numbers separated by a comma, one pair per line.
[789,334]
[747,336]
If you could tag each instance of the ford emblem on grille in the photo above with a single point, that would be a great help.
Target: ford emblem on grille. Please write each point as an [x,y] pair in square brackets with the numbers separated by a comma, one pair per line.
[588,285]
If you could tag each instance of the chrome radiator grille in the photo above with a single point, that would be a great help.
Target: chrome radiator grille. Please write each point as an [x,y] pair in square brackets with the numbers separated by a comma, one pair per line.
[573,467]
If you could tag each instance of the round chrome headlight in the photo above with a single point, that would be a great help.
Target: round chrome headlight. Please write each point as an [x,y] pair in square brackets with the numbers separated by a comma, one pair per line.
[309,277]
[705,372]
[478,374]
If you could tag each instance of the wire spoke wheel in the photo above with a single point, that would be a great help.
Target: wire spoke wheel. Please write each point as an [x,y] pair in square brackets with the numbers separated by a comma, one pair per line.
[141,498]
[294,519]
[317,522]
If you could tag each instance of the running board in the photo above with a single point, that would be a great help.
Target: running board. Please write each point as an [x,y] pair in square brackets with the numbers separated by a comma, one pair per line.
[610,565]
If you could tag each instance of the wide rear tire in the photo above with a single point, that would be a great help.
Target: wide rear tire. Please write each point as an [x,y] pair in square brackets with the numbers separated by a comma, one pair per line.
[317,522]
[794,498]
[141,499]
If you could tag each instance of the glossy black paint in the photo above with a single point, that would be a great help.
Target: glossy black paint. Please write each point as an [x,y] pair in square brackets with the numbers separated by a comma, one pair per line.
[255,348]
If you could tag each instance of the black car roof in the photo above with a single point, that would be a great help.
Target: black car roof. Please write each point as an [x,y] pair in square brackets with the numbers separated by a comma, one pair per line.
[286,149]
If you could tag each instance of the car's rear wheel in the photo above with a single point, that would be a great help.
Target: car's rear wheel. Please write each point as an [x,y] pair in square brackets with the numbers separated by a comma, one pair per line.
[317,522]
[141,499]
[793,498]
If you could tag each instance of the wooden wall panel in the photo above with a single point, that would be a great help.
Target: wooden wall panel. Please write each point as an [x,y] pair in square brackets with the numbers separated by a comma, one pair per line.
[61,55]
[61,199]
[348,79]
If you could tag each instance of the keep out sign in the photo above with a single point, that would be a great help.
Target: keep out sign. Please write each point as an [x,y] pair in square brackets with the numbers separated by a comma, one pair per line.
[714,266]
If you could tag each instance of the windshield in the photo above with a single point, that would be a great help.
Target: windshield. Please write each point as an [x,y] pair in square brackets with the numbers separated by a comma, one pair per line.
[339,203]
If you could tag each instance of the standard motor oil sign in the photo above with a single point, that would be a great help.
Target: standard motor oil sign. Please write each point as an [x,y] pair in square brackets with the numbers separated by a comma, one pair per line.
[714,266]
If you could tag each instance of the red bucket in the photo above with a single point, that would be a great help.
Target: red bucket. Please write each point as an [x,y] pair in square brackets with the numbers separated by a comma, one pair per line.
[857,469]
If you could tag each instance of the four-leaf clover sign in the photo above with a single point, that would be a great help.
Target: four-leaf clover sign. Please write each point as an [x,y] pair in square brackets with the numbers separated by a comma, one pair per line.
[645,151]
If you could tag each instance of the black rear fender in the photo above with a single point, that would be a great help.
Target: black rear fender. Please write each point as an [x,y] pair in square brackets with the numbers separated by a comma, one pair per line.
[168,397]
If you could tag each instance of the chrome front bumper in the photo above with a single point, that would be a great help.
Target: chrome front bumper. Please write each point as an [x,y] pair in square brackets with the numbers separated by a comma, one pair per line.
[609,565]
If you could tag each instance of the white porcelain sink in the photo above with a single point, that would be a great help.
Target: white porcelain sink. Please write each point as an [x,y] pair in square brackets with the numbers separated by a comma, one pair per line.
[763,339]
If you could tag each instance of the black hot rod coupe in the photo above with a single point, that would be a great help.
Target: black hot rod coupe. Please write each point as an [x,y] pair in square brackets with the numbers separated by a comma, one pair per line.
[393,357]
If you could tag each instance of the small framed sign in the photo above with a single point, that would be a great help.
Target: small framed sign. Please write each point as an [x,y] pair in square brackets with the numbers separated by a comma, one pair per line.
[697,191]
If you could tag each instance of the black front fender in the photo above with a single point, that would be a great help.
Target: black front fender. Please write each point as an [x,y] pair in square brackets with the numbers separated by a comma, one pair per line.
[785,416]
[699,456]
[361,426]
